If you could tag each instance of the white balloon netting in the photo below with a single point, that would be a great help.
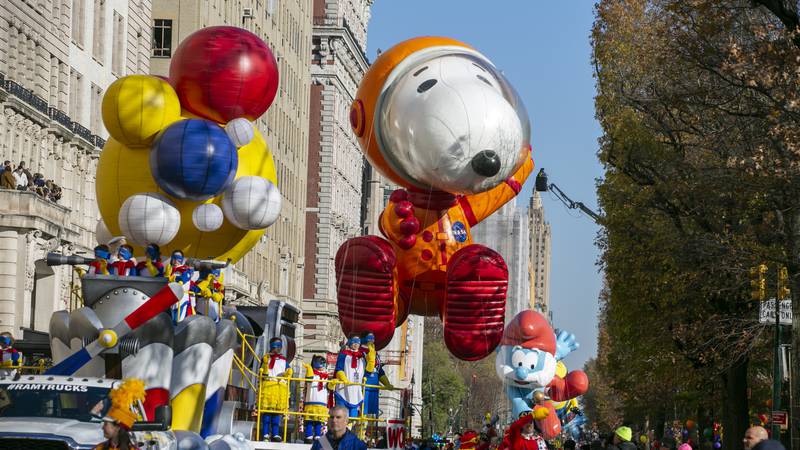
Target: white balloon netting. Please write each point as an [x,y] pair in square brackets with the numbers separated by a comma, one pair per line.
[240,131]
[207,217]
[252,203]
[149,218]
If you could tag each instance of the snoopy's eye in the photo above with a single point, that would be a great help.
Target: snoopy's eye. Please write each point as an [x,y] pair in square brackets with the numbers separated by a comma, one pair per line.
[484,80]
[520,364]
[479,67]
[533,366]
[420,71]
[427,84]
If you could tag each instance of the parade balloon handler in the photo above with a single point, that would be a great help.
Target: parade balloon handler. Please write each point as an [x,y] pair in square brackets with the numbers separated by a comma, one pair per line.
[351,366]
[120,417]
[274,393]
[152,265]
[316,398]
[179,272]
[374,378]
[125,264]
[9,356]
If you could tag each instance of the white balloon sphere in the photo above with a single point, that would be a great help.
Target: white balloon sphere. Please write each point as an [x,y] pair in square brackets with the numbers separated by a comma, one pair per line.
[207,217]
[101,233]
[241,131]
[149,218]
[252,203]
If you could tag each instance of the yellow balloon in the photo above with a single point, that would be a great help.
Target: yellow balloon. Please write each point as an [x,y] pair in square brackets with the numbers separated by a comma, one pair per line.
[561,370]
[123,171]
[137,107]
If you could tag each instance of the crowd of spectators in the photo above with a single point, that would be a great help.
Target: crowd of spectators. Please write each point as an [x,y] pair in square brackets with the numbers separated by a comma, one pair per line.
[21,179]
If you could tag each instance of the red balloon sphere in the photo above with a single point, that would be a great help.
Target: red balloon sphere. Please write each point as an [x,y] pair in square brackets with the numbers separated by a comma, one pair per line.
[221,73]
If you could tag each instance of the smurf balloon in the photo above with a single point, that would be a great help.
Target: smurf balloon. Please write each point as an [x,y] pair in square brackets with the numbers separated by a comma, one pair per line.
[526,362]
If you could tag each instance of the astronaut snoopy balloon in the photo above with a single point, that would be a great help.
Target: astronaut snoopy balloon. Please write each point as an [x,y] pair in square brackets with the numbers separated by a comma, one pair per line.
[438,119]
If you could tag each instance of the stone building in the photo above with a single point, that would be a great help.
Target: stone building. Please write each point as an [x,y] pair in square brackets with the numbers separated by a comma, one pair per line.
[273,269]
[539,256]
[335,163]
[56,59]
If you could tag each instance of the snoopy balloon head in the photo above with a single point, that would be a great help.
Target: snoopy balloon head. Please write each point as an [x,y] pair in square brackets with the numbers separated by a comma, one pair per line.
[441,117]
[526,355]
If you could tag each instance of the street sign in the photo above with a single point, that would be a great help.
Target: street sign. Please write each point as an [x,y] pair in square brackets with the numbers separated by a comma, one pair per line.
[766,313]
[780,418]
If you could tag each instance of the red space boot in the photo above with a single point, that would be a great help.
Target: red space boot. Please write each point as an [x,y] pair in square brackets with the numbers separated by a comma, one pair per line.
[474,309]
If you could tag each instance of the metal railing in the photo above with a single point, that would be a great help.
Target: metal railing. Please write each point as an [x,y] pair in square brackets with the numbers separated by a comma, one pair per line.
[255,381]
[39,104]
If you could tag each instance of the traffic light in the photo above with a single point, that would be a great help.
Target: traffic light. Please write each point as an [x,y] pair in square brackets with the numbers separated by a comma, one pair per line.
[758,282]
[783,284]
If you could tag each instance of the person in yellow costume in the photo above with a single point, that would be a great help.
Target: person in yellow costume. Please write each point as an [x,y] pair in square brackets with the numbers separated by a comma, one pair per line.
[120,418]
[274,393]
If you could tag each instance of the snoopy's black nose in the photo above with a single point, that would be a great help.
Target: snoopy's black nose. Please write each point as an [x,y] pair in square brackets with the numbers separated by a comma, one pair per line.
[486,163]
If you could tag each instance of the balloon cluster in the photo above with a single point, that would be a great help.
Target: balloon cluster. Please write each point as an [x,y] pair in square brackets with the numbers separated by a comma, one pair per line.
[185,166]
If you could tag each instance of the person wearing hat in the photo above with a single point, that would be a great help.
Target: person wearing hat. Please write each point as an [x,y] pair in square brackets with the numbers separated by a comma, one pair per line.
[274,391]
[120,417]
[622,439]
[352,364]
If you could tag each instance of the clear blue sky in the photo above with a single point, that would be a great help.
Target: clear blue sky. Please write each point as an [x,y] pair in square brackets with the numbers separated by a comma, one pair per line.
[544,48]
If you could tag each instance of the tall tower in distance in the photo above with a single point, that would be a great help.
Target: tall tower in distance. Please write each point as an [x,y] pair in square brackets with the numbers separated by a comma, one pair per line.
[539,256]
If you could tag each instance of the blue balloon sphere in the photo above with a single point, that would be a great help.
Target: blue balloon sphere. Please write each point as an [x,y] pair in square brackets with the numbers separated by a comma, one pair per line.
[193,159]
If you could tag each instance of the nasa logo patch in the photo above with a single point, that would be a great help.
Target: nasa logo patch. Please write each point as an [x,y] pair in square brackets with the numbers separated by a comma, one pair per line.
[459,232]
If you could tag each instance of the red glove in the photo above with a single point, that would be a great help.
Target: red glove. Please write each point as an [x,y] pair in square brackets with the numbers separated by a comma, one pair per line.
[408,226]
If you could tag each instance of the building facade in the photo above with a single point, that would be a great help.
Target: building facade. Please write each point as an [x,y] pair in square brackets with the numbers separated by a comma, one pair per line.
[335,163]
[539,256]
[273,269]
[506,231]
[57,57]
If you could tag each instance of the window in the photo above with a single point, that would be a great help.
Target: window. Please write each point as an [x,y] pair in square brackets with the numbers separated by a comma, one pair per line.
[97,101]
[162,38]
[75,94]
[118,49]
[99,33]
[78,11]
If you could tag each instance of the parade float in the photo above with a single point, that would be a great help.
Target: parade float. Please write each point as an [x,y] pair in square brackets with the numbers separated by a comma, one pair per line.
[184,170]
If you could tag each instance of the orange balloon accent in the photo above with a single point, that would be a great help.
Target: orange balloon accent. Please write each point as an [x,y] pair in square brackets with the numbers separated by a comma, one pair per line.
[362,112]
[690,424]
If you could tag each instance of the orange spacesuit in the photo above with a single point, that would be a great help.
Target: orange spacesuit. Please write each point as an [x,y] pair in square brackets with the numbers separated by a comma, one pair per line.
[435,117]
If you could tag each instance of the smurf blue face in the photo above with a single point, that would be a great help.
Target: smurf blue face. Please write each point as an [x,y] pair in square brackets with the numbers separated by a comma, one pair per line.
[523,367]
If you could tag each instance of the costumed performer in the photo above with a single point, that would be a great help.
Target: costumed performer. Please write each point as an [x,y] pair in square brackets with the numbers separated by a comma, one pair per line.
[9,356]
[316,398]
[120,417]
[101,263]
[351,366]
[210,288]
[374,377]
[521,435]
[152,265]
[125,263]
[179,272]
[274,392]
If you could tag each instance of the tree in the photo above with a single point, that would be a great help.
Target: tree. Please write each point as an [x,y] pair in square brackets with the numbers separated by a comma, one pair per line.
[698,102]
